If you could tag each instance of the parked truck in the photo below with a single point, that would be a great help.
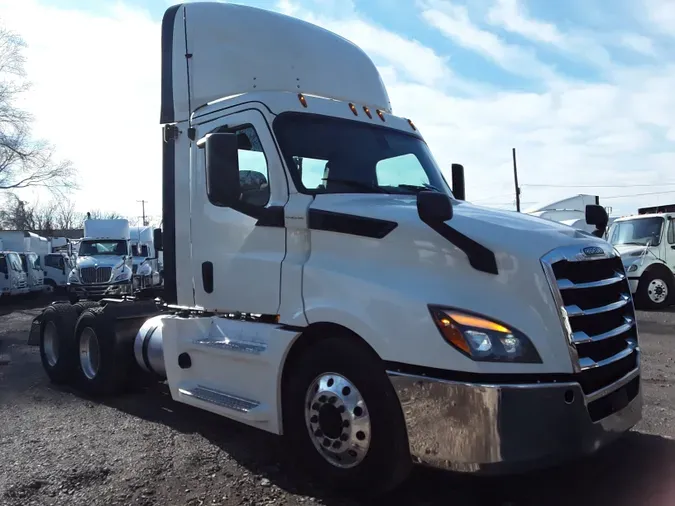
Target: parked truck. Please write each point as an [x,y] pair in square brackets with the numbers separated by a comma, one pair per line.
[646,242]
[27,246]
[104,263]
[13,278]
[324,282]
[145,266]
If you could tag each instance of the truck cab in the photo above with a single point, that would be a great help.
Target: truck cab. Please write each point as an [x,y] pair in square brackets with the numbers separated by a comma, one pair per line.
[13,278]
[145,263]
[30,262]
[323,281]
[646,243]
[104,264]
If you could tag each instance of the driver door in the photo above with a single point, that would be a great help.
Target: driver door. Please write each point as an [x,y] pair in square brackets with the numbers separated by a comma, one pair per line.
[237,252]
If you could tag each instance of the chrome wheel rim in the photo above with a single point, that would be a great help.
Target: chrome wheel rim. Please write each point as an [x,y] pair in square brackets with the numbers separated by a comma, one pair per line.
[51,344]
[657,291]
[90,353]
[337,420]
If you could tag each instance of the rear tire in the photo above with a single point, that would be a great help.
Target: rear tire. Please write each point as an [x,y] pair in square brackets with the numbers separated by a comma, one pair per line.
[103,360]
[58,351]
[343,420]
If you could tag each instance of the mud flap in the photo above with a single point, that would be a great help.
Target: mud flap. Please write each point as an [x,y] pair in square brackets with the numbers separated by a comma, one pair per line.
[34,336]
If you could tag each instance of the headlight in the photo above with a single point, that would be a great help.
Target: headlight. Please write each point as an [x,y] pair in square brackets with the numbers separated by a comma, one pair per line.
[632,267]
[73,277]
[484,340]
[124,275]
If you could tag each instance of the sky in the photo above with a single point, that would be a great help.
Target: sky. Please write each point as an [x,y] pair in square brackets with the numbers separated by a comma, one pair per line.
[582,89]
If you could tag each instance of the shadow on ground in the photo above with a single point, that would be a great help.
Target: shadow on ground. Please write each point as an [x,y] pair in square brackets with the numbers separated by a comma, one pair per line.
[637,469]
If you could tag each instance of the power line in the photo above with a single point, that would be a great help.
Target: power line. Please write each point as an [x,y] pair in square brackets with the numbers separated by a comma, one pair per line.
[637,194]
[599,185]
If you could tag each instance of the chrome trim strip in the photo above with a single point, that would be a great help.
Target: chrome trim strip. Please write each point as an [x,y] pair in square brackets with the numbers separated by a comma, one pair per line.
[581,337]
[573,311]
[599,394]
[417,377]
[588,363]
[219,398]
[566,284]
[232,345]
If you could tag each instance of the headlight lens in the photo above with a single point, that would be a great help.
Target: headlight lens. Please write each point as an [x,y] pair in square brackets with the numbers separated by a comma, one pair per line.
[632,268]
[125,274]
[484,340]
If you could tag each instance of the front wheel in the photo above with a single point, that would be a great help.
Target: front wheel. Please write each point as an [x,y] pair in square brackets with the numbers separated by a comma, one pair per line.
[654,290]
[343,419]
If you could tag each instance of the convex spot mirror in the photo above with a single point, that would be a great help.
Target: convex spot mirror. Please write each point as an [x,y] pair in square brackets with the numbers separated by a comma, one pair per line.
[222,167]
[434,207]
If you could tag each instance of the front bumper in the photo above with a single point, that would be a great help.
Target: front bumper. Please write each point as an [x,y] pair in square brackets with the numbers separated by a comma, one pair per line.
[100,290]
[499,428]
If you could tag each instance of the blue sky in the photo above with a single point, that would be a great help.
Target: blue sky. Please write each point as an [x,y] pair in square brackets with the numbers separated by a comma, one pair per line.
[581,88]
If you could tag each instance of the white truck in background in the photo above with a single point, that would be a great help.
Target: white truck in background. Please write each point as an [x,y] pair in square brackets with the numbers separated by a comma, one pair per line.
[646,243]
[323,281]
[13,278]
[104,264]
[145,259]
[28,246]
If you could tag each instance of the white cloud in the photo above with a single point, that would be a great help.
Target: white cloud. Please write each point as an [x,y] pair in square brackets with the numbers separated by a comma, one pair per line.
[96,96]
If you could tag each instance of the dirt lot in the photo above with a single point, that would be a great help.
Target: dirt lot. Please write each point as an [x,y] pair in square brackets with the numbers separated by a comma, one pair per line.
[57,447]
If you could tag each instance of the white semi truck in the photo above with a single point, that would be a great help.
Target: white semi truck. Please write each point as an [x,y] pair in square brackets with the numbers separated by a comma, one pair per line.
[145,260]
[323,281]
[646,243]
[104,263]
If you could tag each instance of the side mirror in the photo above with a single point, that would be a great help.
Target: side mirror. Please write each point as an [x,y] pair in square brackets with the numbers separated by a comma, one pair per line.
[597,215]
[458,189]
[157,240]
[434,207]
[222,168]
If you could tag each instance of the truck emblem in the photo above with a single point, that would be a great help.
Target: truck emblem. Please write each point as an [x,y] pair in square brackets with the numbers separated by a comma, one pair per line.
[591,251]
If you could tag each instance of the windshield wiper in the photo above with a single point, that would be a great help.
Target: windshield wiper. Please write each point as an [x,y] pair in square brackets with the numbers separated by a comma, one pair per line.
[419,188]
[358,184]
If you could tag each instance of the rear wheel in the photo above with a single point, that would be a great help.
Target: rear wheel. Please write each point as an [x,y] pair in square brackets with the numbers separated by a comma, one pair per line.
[104,361]
[343,419]
[57,343]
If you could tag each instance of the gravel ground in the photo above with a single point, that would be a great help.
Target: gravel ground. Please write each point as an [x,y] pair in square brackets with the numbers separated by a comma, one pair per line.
[57,447]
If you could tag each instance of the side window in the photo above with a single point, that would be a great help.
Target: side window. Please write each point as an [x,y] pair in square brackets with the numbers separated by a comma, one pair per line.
[401,170]
[313,172]
[52,261]
[253,171]
[3,264]
[671,231]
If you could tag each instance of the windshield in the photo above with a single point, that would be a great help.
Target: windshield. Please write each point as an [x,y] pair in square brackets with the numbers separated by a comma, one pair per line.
[640,231]
[14,262]
[139,250]
[33,261]
[103,247]
[332,155]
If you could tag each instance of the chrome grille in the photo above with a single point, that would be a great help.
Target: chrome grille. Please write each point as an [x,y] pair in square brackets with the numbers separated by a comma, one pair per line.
[597,312]
[134,268]
[95,274]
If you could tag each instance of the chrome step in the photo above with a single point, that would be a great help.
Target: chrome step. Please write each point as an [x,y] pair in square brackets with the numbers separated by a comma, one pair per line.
[219,398]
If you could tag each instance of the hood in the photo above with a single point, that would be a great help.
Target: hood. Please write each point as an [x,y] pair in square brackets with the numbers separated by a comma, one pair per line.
[504,232]
[629,250]
[99,261]
[138,260]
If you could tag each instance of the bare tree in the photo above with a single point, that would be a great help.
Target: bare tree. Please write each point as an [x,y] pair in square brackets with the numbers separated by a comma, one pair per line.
[24,161]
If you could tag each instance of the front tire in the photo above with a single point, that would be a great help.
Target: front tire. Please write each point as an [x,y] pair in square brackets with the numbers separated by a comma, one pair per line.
[343,419]
[655,290]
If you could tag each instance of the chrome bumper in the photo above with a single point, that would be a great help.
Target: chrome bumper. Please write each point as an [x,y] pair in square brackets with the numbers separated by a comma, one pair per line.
[495,429]
[101,290]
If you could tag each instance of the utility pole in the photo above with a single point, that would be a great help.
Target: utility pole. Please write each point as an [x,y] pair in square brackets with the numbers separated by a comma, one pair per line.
[515,180]
[143,204]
